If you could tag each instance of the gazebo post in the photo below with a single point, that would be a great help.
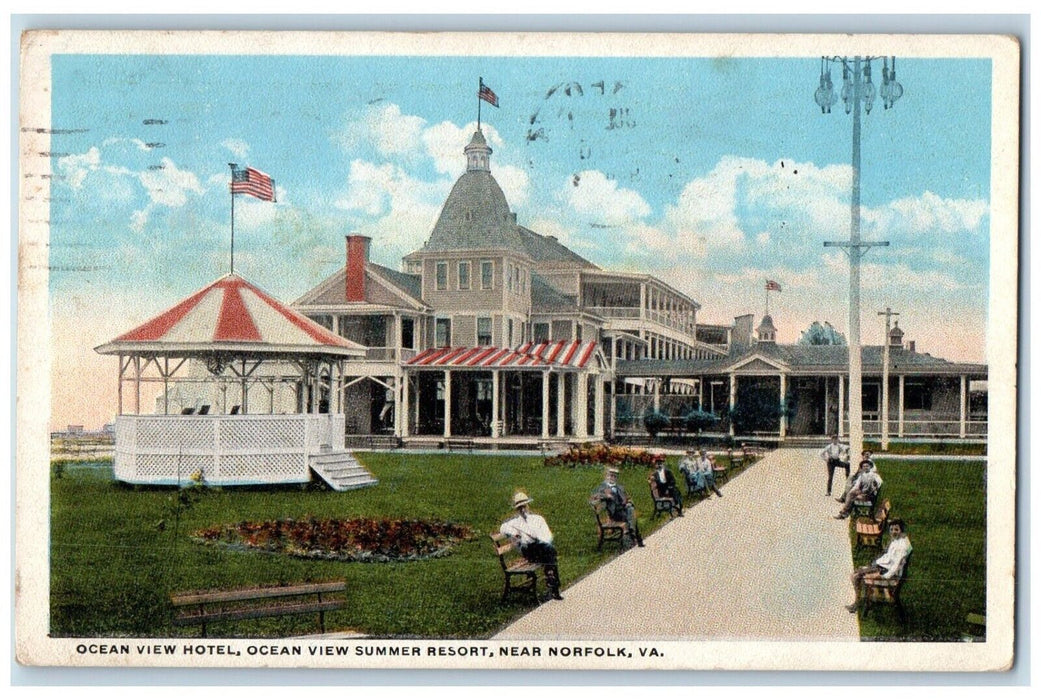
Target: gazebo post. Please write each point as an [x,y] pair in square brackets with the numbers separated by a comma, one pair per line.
[166,386]
[137,384]
[119,383]
[245,401]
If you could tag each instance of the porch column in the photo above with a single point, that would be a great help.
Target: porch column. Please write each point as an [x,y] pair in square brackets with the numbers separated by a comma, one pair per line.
[545,405]
[495,403]
[961,407]
[784,415]
[598,405]
[561,395]
[137,385]
[701,394]
[404,404]
[842,400]
[900,408]
[657,394]
[448,403]
[613,409]
[827,408]
[119,384]
[166,386]
[399,408]
[733,400]
[581,405]
[643,300]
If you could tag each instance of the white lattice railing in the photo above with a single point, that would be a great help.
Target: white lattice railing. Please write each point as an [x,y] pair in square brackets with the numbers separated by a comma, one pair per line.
[224,449]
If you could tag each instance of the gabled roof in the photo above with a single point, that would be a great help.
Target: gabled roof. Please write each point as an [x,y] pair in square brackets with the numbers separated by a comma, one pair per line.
[230,315]
[332,291]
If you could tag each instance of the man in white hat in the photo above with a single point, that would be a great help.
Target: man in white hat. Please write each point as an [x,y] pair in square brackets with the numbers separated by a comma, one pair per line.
[532,536]
[618,504]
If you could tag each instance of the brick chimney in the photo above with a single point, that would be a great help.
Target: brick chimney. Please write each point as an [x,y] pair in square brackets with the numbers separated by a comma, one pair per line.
[357,257]
[910,345]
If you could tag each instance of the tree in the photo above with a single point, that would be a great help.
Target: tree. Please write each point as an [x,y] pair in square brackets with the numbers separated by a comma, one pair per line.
[817,334]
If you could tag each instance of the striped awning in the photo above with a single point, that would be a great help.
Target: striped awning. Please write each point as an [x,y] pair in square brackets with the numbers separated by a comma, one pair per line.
[559,354]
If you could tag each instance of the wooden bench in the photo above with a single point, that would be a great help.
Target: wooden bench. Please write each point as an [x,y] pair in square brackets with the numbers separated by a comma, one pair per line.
[866,507]
[662,503]
[608,530]
[515,566]
[459,444]
[721,472]
[886,591]
[202,607]
[870,530]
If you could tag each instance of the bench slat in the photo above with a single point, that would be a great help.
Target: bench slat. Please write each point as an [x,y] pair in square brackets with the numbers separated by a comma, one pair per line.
[195,617]
[182,599]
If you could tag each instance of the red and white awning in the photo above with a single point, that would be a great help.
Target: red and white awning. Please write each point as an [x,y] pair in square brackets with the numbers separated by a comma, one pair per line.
[560,354]
[235,316]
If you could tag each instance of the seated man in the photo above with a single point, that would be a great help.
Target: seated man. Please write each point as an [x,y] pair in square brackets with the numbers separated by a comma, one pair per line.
[889,566]
[618,504]
[533,538]
[865,487]
[707,476]
[865,456]
[666,484]
[689,470]
[832,455]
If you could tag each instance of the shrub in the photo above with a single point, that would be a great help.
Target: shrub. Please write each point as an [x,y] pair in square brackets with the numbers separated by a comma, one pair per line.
[655,422]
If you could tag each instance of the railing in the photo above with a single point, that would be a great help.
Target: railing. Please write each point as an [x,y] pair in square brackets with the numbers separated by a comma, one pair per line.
[681,322]
[222,449]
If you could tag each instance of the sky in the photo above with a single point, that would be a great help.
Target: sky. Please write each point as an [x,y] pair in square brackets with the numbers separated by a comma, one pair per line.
[713,175]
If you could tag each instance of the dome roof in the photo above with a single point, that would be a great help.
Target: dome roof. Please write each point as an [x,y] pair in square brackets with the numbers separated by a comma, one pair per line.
[476,213]
[767,323]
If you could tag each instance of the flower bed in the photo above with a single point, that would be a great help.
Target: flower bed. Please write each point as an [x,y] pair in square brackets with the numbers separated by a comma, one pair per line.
[356,539]
[605,455]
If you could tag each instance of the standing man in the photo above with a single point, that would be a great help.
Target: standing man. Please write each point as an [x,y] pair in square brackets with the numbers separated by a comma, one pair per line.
[666,484]
[532,536]
[618,504]
[888,567]
[832,454]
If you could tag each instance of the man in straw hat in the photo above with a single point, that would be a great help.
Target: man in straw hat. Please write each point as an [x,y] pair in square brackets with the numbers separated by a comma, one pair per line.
[618,504]
[532,536]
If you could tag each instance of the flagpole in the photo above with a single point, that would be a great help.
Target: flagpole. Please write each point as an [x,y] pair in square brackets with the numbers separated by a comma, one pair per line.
[232,166]
[480,84]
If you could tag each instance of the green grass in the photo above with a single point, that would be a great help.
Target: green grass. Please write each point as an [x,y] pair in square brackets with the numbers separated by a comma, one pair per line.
[113,568]
[944,505]
[929,448]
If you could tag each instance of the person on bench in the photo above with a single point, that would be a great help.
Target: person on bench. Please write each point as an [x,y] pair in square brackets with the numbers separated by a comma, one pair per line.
[864,488]
[832,455]
[666,484]
[865,456]
[533,538]
[689,470]
[888,566]
[618,504]
[708,477]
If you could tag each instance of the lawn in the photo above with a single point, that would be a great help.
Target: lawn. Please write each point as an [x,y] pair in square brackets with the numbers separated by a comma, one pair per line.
[944,505]
[117,552]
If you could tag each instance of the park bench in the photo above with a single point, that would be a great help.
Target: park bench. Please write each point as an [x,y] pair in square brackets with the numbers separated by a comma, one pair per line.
[721,472]
[870,530]
[203,607]
[886,591]
[663,503]
[459,444]
[866,507]
[515,566]
[608,530]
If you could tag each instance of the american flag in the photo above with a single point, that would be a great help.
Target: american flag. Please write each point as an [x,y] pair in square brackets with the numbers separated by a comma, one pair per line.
[252,182]
[772,286]
[485,93]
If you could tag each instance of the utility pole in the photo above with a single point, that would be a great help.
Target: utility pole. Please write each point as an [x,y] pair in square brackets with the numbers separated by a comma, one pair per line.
[888,313]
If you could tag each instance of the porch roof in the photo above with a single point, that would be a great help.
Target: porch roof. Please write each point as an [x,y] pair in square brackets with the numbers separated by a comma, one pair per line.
[559,355]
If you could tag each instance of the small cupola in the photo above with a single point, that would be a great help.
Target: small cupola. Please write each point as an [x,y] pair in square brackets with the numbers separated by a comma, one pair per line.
[896,336]
[478,153]
[766,332]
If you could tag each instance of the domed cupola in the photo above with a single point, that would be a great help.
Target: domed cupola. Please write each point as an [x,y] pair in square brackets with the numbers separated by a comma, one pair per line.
[476,214]
[766,331]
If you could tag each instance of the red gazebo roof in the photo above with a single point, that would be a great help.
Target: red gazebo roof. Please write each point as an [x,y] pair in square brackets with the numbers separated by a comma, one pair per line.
[231,315]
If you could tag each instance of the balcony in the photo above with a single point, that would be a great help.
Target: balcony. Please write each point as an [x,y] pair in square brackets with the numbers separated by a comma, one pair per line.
[670,319]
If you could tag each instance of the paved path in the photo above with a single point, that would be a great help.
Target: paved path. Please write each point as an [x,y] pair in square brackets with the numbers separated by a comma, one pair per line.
[765,562]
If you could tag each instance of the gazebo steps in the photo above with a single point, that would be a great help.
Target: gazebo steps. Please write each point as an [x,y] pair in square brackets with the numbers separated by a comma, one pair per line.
[341,471]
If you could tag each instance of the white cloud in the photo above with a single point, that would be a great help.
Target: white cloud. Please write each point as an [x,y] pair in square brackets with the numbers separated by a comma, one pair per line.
[592,195]
[930,212]
[169,185]
[384,128]
[237,147]
[515,183]
[445,142]
[369,187]
[75,167]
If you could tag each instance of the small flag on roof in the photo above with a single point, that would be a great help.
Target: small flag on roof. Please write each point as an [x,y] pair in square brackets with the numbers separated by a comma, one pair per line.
[485,93]
[252,182]
[772,286]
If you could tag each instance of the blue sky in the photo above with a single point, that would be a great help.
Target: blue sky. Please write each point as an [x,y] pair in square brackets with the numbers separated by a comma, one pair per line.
[712,174]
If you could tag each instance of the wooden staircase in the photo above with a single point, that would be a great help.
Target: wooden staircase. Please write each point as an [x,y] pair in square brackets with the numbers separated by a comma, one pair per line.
[341,471]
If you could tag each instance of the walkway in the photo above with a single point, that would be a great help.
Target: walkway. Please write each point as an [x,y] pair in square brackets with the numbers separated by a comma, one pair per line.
[766,562]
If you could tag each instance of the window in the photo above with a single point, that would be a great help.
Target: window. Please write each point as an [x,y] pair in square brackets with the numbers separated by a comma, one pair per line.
[541,332]
[509,332]
[484,330]
[918,396]
[509,277]
[487,270]
[442,332]
[464,275]
[441,278]
[408,333]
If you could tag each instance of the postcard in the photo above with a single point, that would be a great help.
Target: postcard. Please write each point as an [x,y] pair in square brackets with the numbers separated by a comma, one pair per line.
[527,351]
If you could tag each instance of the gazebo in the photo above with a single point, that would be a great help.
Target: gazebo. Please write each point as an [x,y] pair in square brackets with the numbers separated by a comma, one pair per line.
[236,344]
